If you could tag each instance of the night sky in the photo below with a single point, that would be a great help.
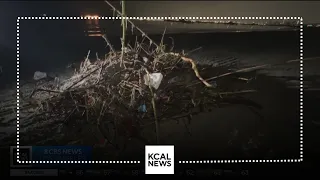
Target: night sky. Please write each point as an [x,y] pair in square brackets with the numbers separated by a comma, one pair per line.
[307,9]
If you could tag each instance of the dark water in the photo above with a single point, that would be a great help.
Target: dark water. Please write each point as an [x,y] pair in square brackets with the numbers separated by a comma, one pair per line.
[44,51]
[46,45]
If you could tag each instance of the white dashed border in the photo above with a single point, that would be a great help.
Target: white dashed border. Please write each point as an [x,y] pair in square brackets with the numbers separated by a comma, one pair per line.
[300,159]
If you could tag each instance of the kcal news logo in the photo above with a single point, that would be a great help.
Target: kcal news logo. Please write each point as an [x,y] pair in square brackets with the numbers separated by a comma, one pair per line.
[159,159]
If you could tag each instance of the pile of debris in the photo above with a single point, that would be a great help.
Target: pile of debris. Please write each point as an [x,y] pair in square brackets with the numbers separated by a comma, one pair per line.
[127,91]
[124,92]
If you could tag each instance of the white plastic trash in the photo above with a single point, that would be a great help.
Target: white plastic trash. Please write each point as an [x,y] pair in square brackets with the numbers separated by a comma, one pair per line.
[155,79]
[39,75]
[145,59]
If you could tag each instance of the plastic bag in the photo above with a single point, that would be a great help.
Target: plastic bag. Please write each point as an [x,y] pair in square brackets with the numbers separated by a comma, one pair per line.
[142,108]
[155,80]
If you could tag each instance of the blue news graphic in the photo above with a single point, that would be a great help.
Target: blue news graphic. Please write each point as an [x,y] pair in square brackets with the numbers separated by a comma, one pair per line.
[61,153]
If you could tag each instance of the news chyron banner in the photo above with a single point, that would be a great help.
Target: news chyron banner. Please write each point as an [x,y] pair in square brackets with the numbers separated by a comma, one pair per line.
[49,153]
[159,159]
